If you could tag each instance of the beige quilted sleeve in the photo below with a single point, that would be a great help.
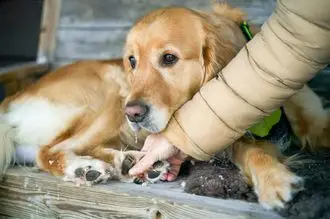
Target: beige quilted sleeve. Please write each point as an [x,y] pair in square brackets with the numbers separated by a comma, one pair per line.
[293,45]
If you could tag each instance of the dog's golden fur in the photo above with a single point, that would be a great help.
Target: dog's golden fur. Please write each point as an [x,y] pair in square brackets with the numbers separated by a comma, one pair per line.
[97,91]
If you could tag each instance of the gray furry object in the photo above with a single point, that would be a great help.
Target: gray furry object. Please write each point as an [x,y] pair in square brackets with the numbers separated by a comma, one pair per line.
[218,178]
[314,202]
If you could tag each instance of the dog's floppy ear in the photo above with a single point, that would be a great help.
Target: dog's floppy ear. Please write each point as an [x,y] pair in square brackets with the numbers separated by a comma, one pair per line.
[217,52]
[219,47]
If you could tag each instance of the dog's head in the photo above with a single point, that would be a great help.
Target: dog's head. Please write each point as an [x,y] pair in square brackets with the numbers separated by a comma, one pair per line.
[170,53]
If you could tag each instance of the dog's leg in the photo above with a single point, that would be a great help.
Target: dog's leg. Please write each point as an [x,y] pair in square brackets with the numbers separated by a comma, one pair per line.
[100,165]
[308,119]
[94,131]
[273,182]
[114,163]
[88,145]
[122,161]
[82,170]
[53,163]
[94,134]
[99,158]
[105,163]
[86,170]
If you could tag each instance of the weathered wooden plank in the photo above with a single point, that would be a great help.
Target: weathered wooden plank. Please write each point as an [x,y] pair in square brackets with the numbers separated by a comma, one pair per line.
[90,44]
[61,62]
[50,16]
[76,12]
[122,11]
[25,194]
[97,29]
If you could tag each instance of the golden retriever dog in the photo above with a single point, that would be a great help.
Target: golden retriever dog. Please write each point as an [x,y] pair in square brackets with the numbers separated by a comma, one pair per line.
[88,119]
[78,108]
[171,52]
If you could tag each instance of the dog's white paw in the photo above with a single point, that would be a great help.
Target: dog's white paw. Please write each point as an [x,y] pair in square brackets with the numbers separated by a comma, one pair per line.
[276,186]
[155,174]
[87,171]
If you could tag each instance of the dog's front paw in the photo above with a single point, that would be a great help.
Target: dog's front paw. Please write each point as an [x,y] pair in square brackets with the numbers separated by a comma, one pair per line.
[126,160]
[87,171]
[155,174]
[276,186]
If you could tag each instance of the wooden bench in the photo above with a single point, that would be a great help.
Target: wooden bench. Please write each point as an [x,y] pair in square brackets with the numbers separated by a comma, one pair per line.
[26,193]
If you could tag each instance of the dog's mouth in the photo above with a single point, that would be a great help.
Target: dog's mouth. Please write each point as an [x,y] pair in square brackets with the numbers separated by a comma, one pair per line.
[147,126]
[134,126]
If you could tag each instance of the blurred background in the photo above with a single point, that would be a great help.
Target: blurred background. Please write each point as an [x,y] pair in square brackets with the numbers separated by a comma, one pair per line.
[97,28]
[39,35]
[86,29]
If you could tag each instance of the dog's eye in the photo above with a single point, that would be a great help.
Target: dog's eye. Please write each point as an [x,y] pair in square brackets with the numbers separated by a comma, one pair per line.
[132,61]
[169,59]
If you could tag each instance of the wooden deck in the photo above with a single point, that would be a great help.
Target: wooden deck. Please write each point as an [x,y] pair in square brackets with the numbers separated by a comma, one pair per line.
[28,194]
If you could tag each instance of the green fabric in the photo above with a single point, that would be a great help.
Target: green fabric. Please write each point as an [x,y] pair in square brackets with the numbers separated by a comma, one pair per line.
[263,127]
[246,30]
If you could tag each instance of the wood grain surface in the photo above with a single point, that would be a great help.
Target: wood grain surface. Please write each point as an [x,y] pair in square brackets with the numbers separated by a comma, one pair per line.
[27,194]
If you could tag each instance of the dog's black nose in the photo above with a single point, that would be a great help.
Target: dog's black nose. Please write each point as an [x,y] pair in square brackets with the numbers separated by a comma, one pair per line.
[136,111]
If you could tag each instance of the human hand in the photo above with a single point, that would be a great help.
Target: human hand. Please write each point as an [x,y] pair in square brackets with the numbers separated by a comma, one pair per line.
[158,148]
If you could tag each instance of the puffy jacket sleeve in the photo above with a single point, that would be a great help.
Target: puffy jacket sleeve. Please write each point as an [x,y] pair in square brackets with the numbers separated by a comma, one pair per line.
[292,46]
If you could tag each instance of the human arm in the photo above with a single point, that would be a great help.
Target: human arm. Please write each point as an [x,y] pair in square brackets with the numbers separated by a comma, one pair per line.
[291,48]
